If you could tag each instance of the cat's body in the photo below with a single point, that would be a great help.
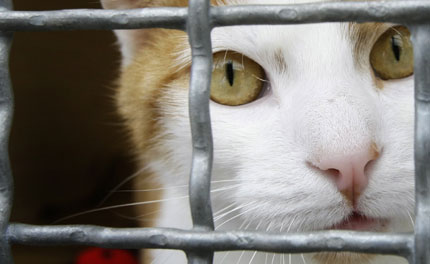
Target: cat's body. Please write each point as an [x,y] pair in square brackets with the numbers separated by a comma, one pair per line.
[325,141]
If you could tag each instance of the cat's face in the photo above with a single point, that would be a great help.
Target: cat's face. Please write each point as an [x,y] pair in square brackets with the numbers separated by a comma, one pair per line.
[327,138]
[322,103]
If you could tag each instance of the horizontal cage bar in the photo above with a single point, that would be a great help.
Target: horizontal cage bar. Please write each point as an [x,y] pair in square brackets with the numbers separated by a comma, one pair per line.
[165,238]
[416,11]
[381,11]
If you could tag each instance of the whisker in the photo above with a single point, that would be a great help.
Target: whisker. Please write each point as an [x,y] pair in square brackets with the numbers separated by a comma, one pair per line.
[253,256]
[138,203]
[119,206]
[258,225]
[267,229]
[240,228]
[243,252]
[240,257]
[255,252]
[411,218]
[224,209]
[291,224]
[134,175]
[303,258]
[167,188]
[136,218]
[226,188]
[235,209]
[153,190]
[281,257]
[142,216]
[231,180]
[234,217]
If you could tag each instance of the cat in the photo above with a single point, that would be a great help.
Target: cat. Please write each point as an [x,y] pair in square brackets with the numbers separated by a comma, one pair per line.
[312,125]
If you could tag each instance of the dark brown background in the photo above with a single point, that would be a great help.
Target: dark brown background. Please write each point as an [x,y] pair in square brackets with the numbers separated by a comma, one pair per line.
[67,144]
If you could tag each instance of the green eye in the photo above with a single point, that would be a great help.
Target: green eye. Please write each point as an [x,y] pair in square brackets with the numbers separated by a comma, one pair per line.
[392,55]
[236,79]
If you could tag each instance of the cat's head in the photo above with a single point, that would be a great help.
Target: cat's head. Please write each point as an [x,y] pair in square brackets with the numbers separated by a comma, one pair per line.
[312,124]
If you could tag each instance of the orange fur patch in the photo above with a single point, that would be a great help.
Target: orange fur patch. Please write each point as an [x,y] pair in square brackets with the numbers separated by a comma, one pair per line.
[141,87]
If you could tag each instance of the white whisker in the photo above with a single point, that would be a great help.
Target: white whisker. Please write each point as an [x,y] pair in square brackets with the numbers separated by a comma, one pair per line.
[171,188]
[240,257]
[240,228]
[253,256]
[119,206]
[258,225]
[291,224]
[224,209]
[243,252]
[303,258]
[153,190]
[235,209]
[134,175]
[225,188]
[234,217]
[411,218]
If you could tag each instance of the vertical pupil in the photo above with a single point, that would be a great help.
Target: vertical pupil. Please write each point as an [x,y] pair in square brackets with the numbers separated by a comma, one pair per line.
[230,72]
[396,48]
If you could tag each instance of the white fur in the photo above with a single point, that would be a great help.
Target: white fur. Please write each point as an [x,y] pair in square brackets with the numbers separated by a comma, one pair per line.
[321,103]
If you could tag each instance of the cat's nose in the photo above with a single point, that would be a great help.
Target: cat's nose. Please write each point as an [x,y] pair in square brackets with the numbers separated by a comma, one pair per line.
[348,171]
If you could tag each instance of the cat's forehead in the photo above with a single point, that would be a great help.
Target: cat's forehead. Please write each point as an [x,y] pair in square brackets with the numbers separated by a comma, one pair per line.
[291,42]
[275,43]
[359,34]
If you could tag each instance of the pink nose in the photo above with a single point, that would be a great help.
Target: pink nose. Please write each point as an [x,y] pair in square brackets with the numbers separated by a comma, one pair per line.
[349,171]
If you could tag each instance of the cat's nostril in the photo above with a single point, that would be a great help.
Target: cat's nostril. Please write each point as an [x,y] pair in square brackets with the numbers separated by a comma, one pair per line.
[332,173]
[348,171]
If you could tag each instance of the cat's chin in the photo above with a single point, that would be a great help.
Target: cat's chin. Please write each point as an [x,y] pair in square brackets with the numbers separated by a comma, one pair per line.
[359,222]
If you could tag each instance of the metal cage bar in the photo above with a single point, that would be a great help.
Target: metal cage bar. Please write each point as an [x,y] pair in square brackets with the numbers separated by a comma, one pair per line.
[400,11]
[421,41]
[199,34]
[200,19]
[6,112]
[366,242]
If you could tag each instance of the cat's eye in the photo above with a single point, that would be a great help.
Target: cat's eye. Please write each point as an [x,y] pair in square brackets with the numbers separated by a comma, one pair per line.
[392,55]
[236,79]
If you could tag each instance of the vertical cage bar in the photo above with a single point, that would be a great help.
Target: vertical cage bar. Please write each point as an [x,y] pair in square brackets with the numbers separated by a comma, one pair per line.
[421,41]
[199,29]
[6,108]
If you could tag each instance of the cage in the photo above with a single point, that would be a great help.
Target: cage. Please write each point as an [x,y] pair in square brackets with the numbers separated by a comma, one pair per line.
[198,19]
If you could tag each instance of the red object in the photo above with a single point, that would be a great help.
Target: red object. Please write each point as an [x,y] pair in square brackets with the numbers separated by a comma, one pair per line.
[105,256]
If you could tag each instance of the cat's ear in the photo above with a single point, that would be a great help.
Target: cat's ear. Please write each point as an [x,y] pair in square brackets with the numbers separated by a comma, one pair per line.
[132,40]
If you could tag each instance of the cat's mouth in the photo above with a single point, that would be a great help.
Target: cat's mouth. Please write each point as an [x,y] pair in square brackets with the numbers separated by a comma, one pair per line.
[359,222]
